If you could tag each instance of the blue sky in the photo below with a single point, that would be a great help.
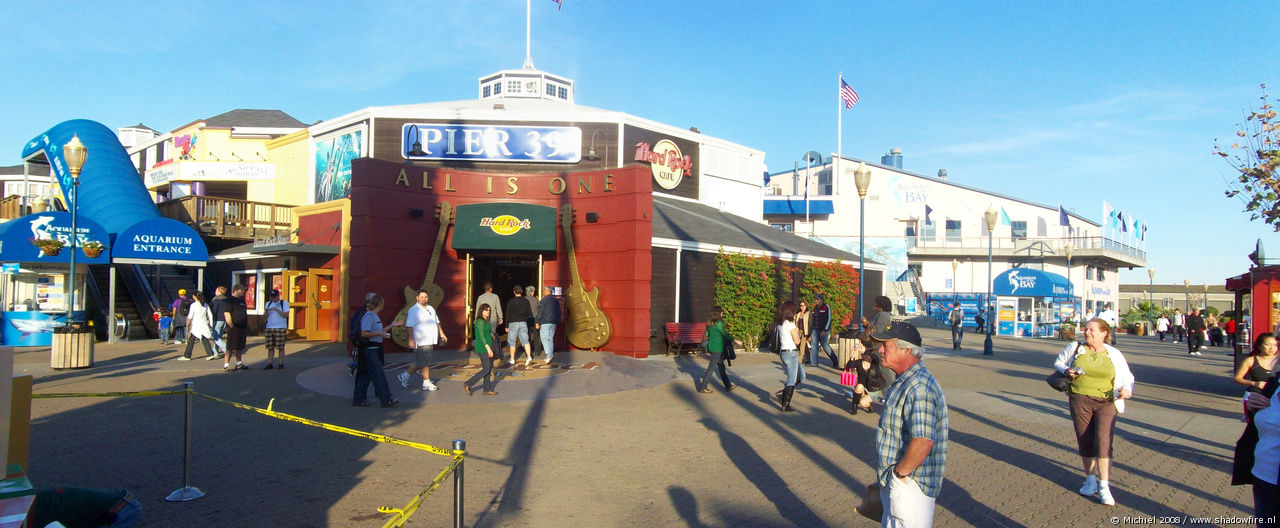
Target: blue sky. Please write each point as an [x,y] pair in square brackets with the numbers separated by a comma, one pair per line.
[1071,102]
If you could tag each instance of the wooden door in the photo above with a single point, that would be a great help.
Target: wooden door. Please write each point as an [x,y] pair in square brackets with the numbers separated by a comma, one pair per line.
[322,313]
[294,292]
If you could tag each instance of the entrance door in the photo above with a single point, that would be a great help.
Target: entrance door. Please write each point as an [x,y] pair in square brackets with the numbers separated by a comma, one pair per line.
[320,317]
[294,288]
[504,273]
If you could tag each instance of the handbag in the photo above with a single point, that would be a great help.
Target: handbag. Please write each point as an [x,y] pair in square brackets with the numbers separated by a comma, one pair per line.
[1058,379]
[729,353]
[848,377]
[871,506]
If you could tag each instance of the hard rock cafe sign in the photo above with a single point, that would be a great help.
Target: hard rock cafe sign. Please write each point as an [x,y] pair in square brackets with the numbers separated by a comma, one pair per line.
[505,225]
[666,162]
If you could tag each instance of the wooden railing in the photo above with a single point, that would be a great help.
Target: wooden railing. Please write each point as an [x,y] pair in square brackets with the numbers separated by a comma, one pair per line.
[11,207]
[228,218]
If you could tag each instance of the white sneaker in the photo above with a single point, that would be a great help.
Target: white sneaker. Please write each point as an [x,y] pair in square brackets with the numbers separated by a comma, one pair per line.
[427,385]
[183,358]
[1090,486]
[404,379]
[1104,496]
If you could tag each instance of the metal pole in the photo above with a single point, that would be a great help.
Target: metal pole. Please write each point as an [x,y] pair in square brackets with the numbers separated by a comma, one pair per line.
[862,249]
[186,492]
[987,348]
[71,279]
[1151,298]
[458,445]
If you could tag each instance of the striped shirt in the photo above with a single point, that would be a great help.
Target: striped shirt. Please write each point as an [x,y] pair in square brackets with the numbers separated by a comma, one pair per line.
[915,409]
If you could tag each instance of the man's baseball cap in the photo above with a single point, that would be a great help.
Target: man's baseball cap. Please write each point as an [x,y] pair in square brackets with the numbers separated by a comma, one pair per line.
[182,291]
[275,293]
[898,330]
[820,297]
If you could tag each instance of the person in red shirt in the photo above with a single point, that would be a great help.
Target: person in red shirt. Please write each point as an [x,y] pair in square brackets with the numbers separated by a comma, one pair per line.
[1230,327]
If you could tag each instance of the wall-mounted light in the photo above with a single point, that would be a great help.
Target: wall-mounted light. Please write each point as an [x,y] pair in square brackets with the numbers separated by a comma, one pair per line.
[416,149]
[593,218]
[591,152]
[415,213]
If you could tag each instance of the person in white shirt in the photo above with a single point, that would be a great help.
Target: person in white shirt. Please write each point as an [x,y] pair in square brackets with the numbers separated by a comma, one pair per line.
[424,333]
[277,328]
[788,337]
[1162,326]
[1112,318]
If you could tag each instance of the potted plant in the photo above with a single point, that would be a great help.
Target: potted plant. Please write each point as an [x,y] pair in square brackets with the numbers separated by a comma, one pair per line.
[92,248]
[50,246]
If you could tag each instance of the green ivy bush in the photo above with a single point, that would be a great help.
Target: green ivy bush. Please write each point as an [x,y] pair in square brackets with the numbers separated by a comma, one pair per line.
[747,288]
[839,283]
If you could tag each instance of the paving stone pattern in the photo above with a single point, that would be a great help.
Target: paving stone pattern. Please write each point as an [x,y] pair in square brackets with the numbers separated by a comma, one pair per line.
[630,443]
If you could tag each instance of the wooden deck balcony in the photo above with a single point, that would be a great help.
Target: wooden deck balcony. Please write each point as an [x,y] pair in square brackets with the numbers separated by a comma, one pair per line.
[228,218]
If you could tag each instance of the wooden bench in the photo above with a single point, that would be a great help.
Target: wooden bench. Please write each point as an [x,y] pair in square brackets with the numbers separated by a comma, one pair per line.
[681,335]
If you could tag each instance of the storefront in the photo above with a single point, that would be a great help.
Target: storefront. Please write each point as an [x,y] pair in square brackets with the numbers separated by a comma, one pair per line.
[1032,303]
[36,276]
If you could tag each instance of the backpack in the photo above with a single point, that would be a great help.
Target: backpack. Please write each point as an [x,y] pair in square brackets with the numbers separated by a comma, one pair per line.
[956,316]
[184,308]
[775,339]
[357,341]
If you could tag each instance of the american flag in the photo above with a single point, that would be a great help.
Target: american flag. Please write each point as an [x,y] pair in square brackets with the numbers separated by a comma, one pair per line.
[558,6]
[847,95]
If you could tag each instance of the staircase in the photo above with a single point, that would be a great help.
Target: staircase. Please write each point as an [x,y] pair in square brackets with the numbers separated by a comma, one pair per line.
[917,291]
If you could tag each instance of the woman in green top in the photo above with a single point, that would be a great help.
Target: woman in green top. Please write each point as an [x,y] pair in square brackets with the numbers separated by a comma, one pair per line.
[484,349]
[716,338]
[1101,382]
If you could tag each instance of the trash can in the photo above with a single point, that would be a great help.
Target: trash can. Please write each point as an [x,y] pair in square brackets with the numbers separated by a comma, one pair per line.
[846,343]
[72,347]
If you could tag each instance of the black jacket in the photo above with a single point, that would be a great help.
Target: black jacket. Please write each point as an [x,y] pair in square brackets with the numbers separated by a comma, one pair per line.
[549,310]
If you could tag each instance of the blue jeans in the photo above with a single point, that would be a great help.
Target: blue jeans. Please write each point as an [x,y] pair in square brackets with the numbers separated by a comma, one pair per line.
[129,515]
[369,370]
[548,334]
[164,335]
[517,333]
[485,373]
[795,370]
[957,334]
[179,333]
[818,338]
[219,330]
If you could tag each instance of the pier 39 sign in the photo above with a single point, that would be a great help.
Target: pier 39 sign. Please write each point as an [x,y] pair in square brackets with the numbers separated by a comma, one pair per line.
[525,144]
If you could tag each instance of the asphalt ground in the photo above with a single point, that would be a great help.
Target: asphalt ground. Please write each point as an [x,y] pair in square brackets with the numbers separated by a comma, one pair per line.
[602,440]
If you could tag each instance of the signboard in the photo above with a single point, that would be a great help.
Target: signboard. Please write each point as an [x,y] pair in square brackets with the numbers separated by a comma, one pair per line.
[505,227]
[666,162]
[18,238]
[210,171]
[333,165]
[526,144]
[160,239]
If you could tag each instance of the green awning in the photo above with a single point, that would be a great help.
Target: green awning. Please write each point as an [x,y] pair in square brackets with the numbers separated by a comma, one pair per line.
[505,226]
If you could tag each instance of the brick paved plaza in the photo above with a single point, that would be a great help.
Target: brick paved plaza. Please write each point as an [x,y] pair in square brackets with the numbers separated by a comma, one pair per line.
[627,442]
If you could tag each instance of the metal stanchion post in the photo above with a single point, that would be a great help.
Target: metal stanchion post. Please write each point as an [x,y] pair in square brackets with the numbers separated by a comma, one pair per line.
[458,445]
[186,492]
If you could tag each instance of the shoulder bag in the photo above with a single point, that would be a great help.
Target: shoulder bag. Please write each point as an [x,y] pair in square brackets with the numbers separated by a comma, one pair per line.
[1058,379]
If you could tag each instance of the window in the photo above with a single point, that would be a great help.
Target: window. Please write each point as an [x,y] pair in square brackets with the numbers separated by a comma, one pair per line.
[824,183]
[953,230]
[911,235]
[487,89]
[786,228]
[1166,303]
[497,88]
[551,89]
[1088,272]
[1134,302]
[1019,229]
[1101,275]
[930,231]
[513,87]
[564,93]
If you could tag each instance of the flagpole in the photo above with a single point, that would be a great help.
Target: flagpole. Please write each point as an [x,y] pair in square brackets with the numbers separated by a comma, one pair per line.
[835,167]
[528,15]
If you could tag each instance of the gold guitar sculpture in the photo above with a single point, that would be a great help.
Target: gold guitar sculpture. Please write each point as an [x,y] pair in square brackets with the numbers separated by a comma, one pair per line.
[435,294]
[587,327]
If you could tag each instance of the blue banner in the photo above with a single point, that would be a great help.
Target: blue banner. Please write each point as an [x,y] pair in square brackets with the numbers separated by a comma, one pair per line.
[18,239]
[524,144]
[160,239]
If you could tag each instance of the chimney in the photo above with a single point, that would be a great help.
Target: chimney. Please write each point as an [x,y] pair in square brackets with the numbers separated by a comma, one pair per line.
[892,159]
[942,174]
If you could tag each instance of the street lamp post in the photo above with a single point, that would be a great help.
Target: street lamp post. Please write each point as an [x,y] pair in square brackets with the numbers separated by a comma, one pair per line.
[1186,285]
[75,153]
[1071,295]
[862,179]
[990,217]
[1151,295]
[954,286]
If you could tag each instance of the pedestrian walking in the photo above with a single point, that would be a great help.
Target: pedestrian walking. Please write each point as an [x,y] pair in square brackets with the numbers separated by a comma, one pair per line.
[369,362]
[1259,365]
[911,437]
[495,316]
[165,323]
[788,339]
[1112,318]
[518,315]
[1162,326]
[820,332]
[1195,333]
[425,333]
[179,308]
[718,339]
[236,314]
[956,319]
[199,326]
[485,349]
[546,321]
[535,342]
[804,322]
[219,323]
[1179,325]
[277,328]
[1100,382]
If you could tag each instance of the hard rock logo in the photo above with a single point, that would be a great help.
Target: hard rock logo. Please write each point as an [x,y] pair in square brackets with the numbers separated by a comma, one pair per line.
[666,162]
[505,225]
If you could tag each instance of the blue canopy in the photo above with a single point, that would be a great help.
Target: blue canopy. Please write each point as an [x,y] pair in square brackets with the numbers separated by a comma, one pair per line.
[1026,282]
[17,238]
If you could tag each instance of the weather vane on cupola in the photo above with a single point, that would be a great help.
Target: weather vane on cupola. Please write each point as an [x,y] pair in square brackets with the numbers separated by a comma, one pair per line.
[527,82]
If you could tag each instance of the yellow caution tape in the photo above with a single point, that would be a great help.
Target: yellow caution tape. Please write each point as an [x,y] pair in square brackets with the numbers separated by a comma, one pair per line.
[337,428]
[403,515]
[103,394]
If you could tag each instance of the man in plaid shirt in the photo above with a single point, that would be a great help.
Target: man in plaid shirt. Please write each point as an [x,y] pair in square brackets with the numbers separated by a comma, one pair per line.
[911,440]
